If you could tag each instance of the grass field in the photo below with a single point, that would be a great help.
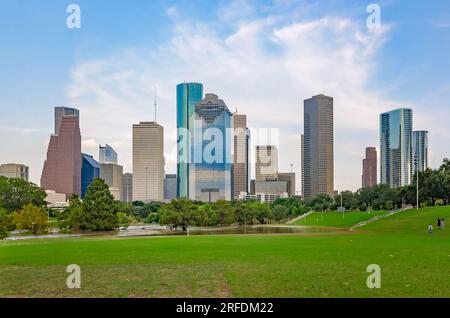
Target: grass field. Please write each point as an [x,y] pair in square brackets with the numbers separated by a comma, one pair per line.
[337,219]
[413,263]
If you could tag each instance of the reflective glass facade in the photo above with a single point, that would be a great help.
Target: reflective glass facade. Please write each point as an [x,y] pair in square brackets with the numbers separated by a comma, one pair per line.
[90,169]
[188,95]
[396,147]
[420,150]
[210,173]
[107,154]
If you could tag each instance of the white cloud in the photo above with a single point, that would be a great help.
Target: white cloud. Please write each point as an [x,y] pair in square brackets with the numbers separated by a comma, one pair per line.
[266,67]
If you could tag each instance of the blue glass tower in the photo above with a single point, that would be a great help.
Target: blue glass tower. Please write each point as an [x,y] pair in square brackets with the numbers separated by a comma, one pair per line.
[188,95]
[90,169]
[210,176]
[396,159]
[107,154]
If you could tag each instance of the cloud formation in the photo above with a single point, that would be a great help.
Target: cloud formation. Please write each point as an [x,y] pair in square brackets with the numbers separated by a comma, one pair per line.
[265,67]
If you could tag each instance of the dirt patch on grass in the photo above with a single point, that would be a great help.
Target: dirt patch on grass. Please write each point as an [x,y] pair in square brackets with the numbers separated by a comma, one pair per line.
[116,281]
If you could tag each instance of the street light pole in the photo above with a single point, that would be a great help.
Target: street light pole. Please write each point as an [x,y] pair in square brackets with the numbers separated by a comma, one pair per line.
[416,159]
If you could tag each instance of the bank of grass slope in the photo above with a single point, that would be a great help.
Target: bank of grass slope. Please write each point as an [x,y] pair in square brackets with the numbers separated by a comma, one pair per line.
[337,219]
[413,222]
[413,264]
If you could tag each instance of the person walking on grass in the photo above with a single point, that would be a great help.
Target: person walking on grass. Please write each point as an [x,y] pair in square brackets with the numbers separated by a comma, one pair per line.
[442,223]
[430,228]
[438,223]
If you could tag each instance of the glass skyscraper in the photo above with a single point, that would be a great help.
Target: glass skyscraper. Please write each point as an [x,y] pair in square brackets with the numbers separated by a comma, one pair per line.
[210,172]
[107,154]
[90,169]
[188,95]
[420,150]
[396,160]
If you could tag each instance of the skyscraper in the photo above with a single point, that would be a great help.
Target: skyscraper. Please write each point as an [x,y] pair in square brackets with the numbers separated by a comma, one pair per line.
[112,174]
[170,187]
[266,163]
[90,169]
[420,150]
[62,168]
[107,154]
[241,168]
[148,162]
[396,147]
[14,170]
[318,146]
[127,187]
[289,178]
[210,172]
[188,95]
[369,176]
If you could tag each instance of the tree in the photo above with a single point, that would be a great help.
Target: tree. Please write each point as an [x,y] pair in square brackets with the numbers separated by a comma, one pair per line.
[124,219]
[32,219]
[5,223]
[16,193]
[261,212]
[99,208]
[72,217]
[177,214]
[224,212]
[280,212]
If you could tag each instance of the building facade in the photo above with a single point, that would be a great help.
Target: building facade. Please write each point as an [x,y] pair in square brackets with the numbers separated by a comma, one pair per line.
[318,146]
[396,160]
[127,187]
[370,170]
[148,162]
[188,95]
[241,155]
[107,154]
[62,167]
[289,178]
[170,187]
[266,163]
[420,150]
[14,170]
[90,169]
[112,174]
[210,173]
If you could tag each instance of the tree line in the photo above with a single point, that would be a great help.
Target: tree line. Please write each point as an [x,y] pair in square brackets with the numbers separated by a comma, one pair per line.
[22,206]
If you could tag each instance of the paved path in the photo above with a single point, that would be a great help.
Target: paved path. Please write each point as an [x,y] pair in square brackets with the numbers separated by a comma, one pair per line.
[378,217]
[299,218]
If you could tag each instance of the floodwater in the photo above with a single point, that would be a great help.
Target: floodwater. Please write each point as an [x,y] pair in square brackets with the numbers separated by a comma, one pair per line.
[157,230]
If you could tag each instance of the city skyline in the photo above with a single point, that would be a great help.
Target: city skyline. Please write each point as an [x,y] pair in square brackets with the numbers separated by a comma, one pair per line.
[112,88]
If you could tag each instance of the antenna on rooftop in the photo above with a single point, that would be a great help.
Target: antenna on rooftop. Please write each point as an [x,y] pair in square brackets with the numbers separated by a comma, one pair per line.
[155,104]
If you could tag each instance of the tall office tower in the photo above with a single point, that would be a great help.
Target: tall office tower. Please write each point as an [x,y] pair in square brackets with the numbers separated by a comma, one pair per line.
[188,95]
[241,166]
[14,170]
[210,172]
[266,163]
[370,171]
[420,150]
[127,187]
[107,154]
[318,146]
[289,178]
[90,169]
[62,111]
[170,187]
[62,168]
[112,174]
[148,162]
[396,147]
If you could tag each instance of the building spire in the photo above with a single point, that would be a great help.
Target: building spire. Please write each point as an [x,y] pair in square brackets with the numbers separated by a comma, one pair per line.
[155,104]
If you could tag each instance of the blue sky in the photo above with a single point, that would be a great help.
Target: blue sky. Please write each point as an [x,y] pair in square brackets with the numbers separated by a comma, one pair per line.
[256,55]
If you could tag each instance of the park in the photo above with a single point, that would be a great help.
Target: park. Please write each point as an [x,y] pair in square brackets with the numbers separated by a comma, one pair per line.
[413,262]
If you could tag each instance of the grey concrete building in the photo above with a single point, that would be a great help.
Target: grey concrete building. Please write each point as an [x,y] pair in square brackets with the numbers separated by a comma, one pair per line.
[127,187]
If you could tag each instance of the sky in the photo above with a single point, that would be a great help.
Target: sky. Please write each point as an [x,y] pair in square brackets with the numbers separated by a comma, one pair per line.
[261,57]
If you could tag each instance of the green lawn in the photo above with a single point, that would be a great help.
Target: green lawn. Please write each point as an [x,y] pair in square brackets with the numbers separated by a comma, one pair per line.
[337,219]
[413,264]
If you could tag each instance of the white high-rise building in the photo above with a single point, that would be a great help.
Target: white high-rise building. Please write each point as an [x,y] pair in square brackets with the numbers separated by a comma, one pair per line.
[148,162]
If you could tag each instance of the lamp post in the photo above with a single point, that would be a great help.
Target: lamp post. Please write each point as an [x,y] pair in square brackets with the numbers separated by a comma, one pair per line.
[146,184]
[416,161]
